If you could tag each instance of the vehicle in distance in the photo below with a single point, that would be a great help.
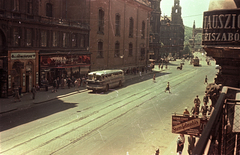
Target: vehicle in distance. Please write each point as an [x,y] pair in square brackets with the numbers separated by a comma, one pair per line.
[218,67]
[196,61]
[104,80]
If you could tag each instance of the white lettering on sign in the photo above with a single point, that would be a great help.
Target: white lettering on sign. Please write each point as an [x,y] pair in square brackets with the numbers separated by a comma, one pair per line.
[23,56]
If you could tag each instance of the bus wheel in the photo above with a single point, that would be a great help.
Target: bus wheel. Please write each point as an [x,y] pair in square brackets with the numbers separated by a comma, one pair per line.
[107,88]
[120,84]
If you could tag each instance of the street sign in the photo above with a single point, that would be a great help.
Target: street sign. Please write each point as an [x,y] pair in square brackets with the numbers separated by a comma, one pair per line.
[187,125]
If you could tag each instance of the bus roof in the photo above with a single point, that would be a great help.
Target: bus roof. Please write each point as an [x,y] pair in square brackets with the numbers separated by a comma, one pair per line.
[105,72]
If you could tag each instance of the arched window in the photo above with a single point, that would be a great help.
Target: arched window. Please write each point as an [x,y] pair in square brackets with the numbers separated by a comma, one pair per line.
[117,50]
[101,21]
[100,49]
[131,27]
[49,9]
[143,30]
[117,25]
[130,50]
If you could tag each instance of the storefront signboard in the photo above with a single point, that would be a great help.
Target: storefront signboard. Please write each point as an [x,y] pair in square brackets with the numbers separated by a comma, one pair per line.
[15,56]
[221,27]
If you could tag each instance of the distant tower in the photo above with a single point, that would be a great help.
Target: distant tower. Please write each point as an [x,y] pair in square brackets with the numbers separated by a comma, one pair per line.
[176,13]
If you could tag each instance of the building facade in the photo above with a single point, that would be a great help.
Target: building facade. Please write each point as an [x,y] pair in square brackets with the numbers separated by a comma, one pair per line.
[42,40]
[119,33]
[155,25]
[172,32]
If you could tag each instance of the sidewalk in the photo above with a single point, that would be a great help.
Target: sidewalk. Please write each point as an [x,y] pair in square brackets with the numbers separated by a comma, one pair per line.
[8,105]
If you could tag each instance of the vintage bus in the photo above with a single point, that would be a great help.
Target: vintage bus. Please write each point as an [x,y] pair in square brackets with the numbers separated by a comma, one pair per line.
[196,61]
[104,80]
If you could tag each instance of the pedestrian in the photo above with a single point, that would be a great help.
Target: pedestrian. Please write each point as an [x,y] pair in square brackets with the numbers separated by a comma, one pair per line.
[62,82]
[168,88]
[197,100]
[154,76]
[157,152]
[33,92]
[205,98]
[180,144]
[186,112]
[162,66]
[16,95]
[140,73]
[69,83]
[159,66]
[20,91]
[191,144]
[195,110]
[73,81]
[54,86]
[204,110]
[46,84]
[206,80]
[58,82]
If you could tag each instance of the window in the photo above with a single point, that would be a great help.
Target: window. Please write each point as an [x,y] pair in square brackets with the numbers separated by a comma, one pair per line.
[65,39]
[131,27]
[2,6]
[117,25]
[29,37]
[100,49]
[16,6]
[101,22]
[74,40]
[130,50]
[43,38]
[55,39]
[117,50]
[142,57]
[29,7]
[16,36]
[82,40]
[49,9]
[143,30]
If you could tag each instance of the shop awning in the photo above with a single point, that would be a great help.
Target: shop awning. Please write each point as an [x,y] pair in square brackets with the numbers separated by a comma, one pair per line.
[64,53]
[70,66]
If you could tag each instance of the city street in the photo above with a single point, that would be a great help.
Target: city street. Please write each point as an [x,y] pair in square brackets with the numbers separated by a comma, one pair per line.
[132,120]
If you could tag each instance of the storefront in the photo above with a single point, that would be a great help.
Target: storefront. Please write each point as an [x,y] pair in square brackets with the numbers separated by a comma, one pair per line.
[22,70]
[64,65]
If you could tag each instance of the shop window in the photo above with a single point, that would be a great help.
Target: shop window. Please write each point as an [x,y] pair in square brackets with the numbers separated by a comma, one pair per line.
[30,7]
[16,37]
[131,27]
[101,21]
[117,25]
[74,40]
[100,49]
[143,30]
[117,50]
[43,38]
[16,6]
[130,50]
[29,38]
[55,39]
[49,9]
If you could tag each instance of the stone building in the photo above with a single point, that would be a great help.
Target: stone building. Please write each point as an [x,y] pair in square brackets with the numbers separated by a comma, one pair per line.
[172,32]
[119,33]
[42,39]
[155,25]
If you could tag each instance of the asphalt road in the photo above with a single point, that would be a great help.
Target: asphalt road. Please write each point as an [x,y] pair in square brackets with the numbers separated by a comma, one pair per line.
[132,120]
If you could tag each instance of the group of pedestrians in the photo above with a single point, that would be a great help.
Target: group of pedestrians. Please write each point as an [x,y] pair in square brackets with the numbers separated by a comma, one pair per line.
[181,141]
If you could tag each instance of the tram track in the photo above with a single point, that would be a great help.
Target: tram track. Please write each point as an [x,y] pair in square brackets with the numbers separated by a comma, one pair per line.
[140,94]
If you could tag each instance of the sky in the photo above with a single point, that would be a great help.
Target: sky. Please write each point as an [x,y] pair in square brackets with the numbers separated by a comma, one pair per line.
[191,10]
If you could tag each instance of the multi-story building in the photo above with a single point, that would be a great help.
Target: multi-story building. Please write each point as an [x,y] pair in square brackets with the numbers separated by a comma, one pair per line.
[172,32]
[155,25]
[119,33]
[42,39]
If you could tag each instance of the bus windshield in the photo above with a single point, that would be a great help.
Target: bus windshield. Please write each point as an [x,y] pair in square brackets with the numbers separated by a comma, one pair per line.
[95,77]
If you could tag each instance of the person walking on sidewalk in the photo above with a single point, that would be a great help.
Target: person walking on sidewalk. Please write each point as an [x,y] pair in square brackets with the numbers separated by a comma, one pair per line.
[33,92]
[154,76]
[180,144]
[20,91]
[168,88]
[54,86]
[16,95]
[191,144]
[69,83]
[206,79]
